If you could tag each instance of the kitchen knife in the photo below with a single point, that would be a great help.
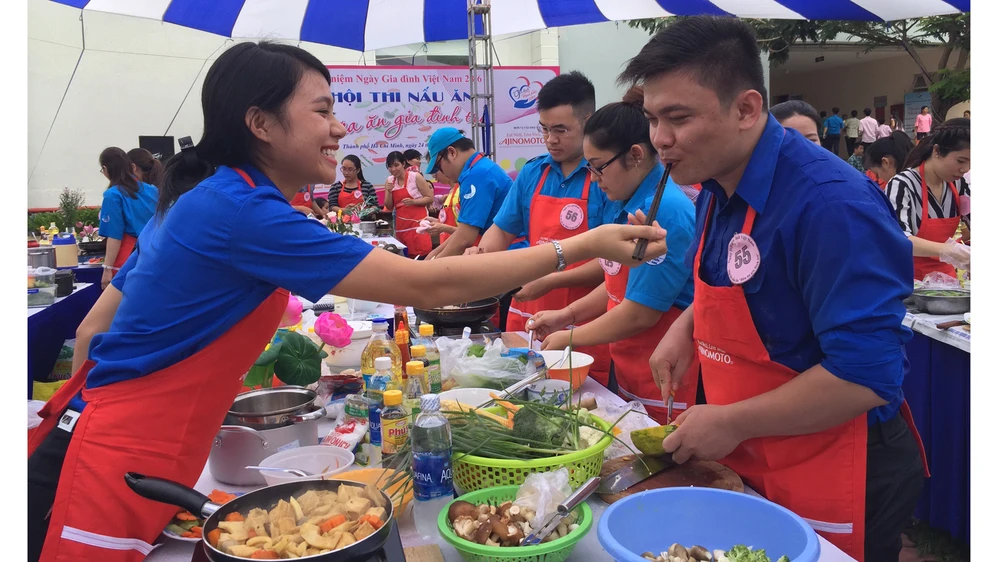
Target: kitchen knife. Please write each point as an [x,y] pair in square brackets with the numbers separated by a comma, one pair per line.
[564,509]
[633,473]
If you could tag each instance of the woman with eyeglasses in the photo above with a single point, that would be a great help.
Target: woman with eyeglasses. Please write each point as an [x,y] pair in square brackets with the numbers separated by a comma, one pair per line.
[128,205]
[354,190]
[632,310]
[408,194]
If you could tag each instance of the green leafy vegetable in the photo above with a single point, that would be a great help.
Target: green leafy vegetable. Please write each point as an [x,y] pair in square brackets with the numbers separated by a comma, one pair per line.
[743,553]
[298,360]
[476,350]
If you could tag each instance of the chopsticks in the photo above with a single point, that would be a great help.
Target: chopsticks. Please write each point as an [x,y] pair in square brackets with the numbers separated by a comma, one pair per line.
[640,246]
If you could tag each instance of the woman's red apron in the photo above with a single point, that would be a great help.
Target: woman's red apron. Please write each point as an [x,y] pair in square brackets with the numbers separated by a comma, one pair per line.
[631,355]
[346,198]
[407,220]
[557,218]
[303,198]
[820,476]
[124,251]
[161,425]
[935,230]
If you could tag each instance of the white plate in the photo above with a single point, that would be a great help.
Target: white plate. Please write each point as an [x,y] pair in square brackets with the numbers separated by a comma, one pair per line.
[176,537]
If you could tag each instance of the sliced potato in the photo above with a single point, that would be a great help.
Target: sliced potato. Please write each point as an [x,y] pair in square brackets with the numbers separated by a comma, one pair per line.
[236,530]
[377,512]
[346,540]
[364,530]
[356,507]
[242,550]
[312,537]
[262,543]
[297,509]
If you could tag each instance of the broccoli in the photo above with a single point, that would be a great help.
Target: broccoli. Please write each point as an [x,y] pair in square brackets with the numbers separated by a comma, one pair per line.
[533,425]
[742,553]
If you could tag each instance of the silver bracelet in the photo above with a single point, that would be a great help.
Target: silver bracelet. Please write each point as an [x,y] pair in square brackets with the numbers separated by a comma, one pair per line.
[112,268]
[560,256]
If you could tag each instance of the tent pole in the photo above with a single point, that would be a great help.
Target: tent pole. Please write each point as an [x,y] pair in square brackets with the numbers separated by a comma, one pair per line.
[191,87]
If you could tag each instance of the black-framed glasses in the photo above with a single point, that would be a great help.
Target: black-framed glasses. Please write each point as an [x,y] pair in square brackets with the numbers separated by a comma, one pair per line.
[437,163]
[599,171]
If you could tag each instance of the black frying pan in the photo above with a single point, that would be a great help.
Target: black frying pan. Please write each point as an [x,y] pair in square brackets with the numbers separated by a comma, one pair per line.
[468,314]
[168,492]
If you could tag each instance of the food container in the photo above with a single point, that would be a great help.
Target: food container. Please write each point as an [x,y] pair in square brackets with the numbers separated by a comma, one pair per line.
[469,396]
[552,391]
[553,551]
[943,301]
[236,447]
[268,408]
[367,228]
[714,519]
[581,366]
[42,256]
[41,286]
[67,254]
[312,459]
[360,306]
[349,357]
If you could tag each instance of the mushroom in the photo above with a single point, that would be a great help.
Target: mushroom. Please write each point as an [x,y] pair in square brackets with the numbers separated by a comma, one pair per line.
[459,509]
[466,527]
[678,551]
[699,553]
[483,532]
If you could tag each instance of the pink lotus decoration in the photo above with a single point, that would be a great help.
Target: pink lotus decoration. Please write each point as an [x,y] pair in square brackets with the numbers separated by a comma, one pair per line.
[355,219]
[333,330]
[293,312]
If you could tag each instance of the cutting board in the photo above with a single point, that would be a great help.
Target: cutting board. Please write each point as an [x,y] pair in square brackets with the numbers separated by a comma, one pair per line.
[706,474]
[513,340]
[425,553]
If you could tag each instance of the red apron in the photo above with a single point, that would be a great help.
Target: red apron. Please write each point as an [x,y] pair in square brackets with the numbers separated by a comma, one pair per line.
[449,212]
[631,355]
[346,198]
[302,198]
[820,476]
[161,425]
[557,218]
[935,230]
[407,220]
[125,250]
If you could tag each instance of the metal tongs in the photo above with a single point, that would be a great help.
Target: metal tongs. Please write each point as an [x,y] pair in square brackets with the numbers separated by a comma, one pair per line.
[564,509]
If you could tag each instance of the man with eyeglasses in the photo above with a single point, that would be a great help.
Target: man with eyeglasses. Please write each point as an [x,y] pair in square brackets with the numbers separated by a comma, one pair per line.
[555,197]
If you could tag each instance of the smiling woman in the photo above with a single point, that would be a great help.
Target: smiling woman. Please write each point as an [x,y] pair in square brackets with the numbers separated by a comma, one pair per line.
[218,260]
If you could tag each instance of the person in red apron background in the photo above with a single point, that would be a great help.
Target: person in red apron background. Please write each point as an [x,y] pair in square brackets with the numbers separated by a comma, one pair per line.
[482,189]
[553,198]
[797,315]
[633,309]
[446,222]
[219,259]
[354,190]
[413,158]
[408,194]
[932,199]
[128,205]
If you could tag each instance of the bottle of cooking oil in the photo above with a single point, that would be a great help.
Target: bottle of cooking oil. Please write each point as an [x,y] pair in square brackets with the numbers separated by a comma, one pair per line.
[380,346]
[395,430]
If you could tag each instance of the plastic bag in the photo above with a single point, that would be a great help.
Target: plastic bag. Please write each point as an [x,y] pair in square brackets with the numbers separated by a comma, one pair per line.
[542,492]
[494,369]
[936,280]
[636,418]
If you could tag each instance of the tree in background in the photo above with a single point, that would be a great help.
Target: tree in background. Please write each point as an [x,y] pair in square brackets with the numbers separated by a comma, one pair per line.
[949,80]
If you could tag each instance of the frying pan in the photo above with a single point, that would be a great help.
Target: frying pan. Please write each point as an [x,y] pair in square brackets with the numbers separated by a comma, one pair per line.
[169,492]
[471,313]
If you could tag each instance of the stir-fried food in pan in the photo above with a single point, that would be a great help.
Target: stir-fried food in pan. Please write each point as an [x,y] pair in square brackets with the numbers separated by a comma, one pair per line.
[315,522]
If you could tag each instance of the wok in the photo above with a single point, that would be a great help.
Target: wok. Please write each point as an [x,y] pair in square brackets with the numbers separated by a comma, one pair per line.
[169,492]
[461,315]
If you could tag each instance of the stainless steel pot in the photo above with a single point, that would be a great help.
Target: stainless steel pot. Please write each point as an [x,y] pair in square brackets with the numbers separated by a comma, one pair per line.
[268,408]
[236,447]
[42,256]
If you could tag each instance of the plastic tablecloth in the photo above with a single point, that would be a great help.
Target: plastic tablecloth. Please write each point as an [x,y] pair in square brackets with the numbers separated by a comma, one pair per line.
[49,327]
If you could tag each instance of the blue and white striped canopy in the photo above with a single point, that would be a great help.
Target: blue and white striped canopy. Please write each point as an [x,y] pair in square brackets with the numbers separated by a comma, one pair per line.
[373,24]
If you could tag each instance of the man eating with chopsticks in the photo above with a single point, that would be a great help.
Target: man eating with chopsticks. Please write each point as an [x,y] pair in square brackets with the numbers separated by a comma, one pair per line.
[797,316]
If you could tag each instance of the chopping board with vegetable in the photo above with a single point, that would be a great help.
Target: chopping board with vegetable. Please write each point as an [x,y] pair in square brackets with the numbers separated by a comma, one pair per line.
[705,474]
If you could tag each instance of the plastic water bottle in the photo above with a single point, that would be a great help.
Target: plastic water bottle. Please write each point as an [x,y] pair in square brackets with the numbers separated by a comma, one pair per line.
[432,484]
[375,389]
[433,370]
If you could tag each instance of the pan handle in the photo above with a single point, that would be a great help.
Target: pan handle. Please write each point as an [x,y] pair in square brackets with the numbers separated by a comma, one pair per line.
[240,428]
[171,493]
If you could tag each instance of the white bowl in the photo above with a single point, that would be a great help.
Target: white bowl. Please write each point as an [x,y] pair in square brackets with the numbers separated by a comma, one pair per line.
[311,459]
[547,390]
[361,306]
[469,396]
[350,357]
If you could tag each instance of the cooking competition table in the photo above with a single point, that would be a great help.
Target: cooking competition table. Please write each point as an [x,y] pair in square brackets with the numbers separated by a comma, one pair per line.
[587,550]
[50,326]
[938,390]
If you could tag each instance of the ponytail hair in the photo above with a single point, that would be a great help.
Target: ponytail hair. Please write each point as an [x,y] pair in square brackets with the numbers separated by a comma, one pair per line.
[115,161]
[357,164]
[952,135]
[262,75]
[896,146]
[618,126]
[152,169]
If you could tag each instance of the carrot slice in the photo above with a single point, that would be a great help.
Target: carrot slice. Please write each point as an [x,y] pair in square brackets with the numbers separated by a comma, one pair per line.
[251,534]
[196,530]
[234,516]
[332,522]
[264,555]
[213,537]
[185,515]
[220,497]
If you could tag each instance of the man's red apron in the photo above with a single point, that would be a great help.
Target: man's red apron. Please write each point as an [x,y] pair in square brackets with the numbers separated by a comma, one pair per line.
[161,425]
[408,219]
[935,230]
[125,250]
[820,476]
[557,218]
[631,355]
[347,197]
[303,198]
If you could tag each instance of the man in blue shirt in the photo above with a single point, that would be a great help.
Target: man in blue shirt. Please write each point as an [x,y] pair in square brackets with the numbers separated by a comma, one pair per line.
[797,314]
[831,131]
[483,186]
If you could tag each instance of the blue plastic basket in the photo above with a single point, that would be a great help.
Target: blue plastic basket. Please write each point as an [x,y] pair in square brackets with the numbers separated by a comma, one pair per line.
[716,519]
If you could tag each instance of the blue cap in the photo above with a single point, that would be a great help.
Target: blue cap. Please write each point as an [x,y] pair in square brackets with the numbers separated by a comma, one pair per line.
[439,141]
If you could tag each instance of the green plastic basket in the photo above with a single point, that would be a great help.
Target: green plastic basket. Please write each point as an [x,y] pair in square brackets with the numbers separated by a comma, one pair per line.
[471,473]
[553,551]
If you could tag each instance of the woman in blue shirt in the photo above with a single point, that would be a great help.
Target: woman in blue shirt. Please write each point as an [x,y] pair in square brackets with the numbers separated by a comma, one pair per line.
[127,207]
[633,309]
[174,334]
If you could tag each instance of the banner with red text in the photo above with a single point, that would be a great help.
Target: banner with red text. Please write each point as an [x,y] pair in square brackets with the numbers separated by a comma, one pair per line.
[389,108]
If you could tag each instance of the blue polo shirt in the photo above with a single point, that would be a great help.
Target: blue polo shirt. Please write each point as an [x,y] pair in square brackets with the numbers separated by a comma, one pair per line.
[833,124]
[514,214]
[121,214]
[482,191]
[835,266]
[666,281]
[219,252]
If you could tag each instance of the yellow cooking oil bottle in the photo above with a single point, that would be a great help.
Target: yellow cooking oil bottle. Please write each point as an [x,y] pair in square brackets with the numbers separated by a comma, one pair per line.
[395,426]
[380,346]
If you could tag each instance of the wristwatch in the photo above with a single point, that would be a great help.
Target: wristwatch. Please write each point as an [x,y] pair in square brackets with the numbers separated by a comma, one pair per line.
[560,256]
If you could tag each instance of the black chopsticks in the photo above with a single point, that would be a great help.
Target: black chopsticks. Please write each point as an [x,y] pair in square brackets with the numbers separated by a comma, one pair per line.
[640,246]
